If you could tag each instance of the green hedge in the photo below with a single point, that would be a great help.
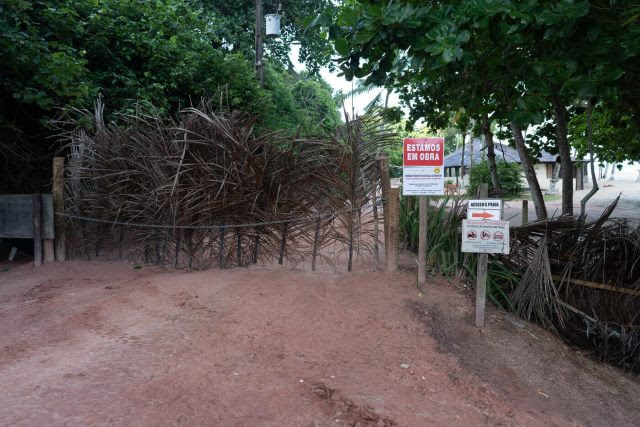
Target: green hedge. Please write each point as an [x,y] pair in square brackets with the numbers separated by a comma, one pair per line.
[509,174]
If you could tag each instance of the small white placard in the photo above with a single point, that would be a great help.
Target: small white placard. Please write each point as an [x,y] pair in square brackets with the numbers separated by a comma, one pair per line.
[484,210]
[489,237]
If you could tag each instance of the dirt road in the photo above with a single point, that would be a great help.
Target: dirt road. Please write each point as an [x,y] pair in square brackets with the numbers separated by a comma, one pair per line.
[99,343]
[628,206]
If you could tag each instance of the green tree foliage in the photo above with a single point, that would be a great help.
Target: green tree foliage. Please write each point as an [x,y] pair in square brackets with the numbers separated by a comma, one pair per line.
[615,134]
[510,175]
[296,15]
[523,63]
[58,54]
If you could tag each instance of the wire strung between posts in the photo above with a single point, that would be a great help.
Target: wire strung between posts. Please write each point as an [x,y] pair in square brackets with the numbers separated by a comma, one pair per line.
[204,227]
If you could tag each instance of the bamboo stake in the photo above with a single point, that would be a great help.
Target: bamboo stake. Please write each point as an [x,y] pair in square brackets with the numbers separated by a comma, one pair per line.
[256,247]
[239,248]
[189,238]
[221,262]
[315,245]
[177,254]
[283,243]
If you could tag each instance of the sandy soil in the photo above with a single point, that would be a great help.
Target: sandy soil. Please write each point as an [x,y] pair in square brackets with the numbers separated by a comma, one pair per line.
[628,205]
[99,343]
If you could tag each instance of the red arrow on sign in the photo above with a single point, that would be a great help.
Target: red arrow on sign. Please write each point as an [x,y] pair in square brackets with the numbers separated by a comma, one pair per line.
[481,215]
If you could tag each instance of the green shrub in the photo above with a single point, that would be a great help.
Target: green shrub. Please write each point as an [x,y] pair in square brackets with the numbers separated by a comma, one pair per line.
[509,174]
[444,255]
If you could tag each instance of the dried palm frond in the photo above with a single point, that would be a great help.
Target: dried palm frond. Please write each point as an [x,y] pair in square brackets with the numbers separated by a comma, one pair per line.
[185,191]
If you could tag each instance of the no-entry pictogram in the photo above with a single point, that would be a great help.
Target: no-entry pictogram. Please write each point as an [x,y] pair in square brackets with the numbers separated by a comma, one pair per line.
[489,237]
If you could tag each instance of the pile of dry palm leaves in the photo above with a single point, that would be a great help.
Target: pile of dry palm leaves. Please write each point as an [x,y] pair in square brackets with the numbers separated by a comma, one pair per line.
[583,280]
[208,189]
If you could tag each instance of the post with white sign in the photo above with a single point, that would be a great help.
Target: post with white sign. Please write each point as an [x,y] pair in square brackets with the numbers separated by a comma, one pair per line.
[485,233]
[423,176]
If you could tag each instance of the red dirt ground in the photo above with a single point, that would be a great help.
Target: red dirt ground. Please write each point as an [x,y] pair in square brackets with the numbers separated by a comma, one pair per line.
[103,343]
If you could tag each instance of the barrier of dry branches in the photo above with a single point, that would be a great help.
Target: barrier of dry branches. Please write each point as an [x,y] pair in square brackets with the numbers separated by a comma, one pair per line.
[582,279]
[210,189]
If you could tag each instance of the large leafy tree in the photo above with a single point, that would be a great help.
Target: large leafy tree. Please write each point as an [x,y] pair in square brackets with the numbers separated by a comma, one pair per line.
[57,54]
[523,63]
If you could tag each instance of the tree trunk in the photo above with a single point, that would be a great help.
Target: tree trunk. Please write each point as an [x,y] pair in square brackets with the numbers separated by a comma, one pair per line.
[472,149]
[464,137]
[529,172]
[594,188]
[491,154]
[565,154]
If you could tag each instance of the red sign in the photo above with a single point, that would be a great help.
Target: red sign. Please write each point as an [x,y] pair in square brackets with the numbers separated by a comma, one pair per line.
[423,151]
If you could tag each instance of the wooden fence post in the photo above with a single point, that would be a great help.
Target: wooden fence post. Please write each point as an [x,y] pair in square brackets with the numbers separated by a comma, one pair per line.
[221,257]
[481,285]
[283,243]
[422,240]
[525,212]
[57,194]
[394,218]
[316,236]
[385,183]
[376,231]
[37,230]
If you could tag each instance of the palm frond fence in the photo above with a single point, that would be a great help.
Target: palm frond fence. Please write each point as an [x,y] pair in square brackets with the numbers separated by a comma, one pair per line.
[210,189]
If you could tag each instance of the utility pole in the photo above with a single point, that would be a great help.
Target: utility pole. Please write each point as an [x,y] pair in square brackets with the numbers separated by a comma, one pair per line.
[259,40]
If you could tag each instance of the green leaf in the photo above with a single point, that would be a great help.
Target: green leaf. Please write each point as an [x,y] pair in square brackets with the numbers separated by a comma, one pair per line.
[342,47]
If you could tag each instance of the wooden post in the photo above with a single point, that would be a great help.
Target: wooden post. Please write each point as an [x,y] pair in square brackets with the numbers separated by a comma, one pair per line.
[49,251]
[256,247]
[315,246]
[177,254]
[239,247]
[525,212]
[481,285]
[394,218]
[374,201]
[422,240]
[283,243]
[221,258]
[58,208]
[37,230]
[385,183]
[189,238]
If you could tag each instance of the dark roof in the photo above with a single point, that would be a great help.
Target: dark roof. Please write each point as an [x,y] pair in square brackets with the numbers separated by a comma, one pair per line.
[503,152]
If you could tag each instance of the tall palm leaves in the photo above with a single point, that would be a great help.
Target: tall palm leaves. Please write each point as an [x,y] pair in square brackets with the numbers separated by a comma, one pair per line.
[183,190]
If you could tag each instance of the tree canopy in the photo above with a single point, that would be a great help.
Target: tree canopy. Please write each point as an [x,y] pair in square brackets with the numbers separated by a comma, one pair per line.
[60,54]
[524,64]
